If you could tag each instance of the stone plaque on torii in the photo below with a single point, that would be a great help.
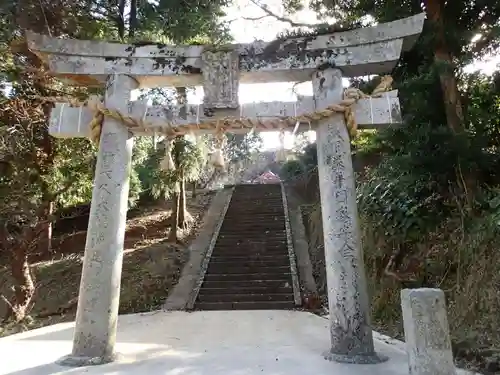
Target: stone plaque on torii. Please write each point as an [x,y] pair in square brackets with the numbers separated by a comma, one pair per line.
[322,59]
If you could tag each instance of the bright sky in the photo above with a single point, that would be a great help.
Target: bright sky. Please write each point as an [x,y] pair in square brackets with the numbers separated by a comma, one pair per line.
[246,31]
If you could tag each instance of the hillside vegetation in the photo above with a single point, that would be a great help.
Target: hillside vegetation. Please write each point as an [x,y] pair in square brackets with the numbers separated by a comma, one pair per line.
[421,225]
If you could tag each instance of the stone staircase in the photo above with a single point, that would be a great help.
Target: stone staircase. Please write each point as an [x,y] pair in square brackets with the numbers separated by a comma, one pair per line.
[249,267]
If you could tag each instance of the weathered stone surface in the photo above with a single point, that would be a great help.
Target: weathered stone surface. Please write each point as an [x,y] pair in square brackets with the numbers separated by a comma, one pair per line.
[66,121]
[372,50]
[220,79]
[291,251]
[208,253]
[427,332]
[98,300]
[300,245]
[408,28]
[351,334]
[283,66]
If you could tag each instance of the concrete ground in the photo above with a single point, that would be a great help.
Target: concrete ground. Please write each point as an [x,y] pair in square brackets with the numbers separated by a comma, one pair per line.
[201,343]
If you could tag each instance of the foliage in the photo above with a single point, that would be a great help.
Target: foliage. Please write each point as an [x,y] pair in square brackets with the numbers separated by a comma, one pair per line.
[416,187]
[239,147]
[40,173]
[463,20]
[428,193]
[291,169]
[159,184]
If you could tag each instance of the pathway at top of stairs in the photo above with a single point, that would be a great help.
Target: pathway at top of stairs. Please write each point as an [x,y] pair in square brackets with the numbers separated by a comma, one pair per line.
[250,268]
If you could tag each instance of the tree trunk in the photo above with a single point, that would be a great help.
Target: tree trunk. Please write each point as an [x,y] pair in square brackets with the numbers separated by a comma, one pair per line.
[182,101]
[120,19]
[132,19]
[45,240]
[182,203]
[172,237]
[193,191]
[24,288]
[444,59]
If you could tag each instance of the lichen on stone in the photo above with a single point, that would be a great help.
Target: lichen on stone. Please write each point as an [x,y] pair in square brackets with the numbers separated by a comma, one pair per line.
[320,29]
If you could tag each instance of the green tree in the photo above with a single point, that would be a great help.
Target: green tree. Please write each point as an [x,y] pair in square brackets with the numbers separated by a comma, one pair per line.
[42,173]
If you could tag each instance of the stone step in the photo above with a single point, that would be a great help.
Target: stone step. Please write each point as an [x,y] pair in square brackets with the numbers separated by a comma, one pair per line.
[254,235]
[223,244]
[276,200]
[246,237]
[266,187]
[254,220]
[255,241]
[257,221]
[262,305]
[221,268]
[259,201]
[276,195]
[252,241]
[254,208]
[233,288]
[262,209]
[265,204]
[248,276]
[254,215]
[244,297]
[259,192]
[246,284]
[244,229]
[236,227]
[247,249]
[244,255]
[246,252]
[249,204]
[249,260]
[252,246]
[259,207]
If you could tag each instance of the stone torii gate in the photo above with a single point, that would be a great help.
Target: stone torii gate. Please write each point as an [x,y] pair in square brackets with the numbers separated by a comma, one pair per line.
[322,59]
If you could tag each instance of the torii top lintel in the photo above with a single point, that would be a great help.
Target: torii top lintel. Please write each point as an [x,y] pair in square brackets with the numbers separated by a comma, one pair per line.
[370,50]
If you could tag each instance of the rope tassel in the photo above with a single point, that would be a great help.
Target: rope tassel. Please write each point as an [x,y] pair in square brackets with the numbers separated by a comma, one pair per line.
[217,157]
[94,102]
[167,163]
[281,154]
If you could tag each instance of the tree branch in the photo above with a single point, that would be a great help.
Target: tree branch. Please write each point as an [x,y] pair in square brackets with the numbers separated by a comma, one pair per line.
[249,18]
[270,13]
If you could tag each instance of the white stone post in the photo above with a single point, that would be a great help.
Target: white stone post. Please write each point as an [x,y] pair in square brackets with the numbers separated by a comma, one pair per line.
[348,303]
[99,296]
[427,332]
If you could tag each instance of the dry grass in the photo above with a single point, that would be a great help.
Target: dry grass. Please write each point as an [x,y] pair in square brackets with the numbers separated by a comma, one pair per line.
[465,266]
[151,266]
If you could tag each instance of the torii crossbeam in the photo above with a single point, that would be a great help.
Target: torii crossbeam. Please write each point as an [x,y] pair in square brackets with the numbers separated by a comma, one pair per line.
[69,121]
[322,59]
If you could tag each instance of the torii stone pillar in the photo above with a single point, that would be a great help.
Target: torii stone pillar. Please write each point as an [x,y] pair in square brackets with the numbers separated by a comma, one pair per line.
[98,300]
[348,302]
